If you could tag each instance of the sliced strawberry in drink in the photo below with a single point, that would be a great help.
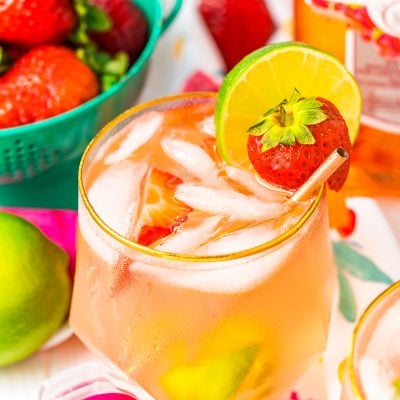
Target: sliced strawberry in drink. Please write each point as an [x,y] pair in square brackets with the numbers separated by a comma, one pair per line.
[121,275]
[162,213]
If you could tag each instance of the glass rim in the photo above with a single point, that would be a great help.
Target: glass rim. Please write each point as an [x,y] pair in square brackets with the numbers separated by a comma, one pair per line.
[176,256]
[355,387]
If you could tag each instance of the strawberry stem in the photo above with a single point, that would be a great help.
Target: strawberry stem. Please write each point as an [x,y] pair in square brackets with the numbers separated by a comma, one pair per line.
[108,68]
[90,19]
[5,60]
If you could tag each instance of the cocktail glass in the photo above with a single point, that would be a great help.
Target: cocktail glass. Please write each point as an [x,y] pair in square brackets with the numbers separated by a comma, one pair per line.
[372,370]
[243,321]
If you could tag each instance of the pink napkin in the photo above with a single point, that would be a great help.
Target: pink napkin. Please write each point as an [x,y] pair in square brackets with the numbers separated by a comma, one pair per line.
[58,225]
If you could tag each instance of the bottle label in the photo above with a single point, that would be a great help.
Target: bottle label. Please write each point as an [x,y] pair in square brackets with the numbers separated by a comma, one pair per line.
[372,55]
[379,81]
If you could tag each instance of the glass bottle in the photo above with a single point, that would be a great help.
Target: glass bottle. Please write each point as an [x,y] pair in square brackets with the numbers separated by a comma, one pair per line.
[365,35]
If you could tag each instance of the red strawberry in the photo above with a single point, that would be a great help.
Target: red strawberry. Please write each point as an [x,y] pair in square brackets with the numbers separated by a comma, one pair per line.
[46,81]
[291,140]
[238,26]
[199,81]
[162,213]
[29,23]
[129,30]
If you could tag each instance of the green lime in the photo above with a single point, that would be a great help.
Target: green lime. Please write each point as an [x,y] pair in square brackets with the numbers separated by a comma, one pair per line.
[269,75]
[217,378]
[35,288]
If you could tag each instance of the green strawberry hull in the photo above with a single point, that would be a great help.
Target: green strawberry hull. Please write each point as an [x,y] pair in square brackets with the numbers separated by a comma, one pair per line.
[39,161]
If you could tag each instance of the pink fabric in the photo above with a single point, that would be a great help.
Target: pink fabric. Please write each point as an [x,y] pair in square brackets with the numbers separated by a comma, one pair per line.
[58,225]
[110,396]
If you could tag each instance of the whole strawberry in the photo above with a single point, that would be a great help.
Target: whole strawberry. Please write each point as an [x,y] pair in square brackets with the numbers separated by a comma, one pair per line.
[29,23]
[237,26]
[129,31]
[46,81]
[289,142]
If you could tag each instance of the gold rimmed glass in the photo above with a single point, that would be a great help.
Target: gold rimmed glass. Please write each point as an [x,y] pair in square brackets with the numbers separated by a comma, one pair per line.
[364,330]
[250,322]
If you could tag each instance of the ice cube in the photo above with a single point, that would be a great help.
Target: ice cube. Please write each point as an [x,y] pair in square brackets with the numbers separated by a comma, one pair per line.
[207,126]
[242,239]
[140,131]
[115,194]
[230,203]
[249,181]
[189,238]
[376,379]
[193,158]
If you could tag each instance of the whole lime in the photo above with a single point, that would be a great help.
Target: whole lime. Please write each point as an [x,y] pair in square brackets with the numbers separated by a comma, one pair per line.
[35,288]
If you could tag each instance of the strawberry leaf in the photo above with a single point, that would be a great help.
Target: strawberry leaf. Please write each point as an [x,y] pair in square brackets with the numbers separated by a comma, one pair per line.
[311,116]
[108,68]
[303,134]
[307,104]
[288,122]
[118,65]
[288,137]
[97,20]
[269,142]
[5,61]
[90,19]
[260,127]
[294,98]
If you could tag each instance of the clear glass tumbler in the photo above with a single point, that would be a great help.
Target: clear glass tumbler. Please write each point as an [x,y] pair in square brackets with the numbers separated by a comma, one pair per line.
[238,325]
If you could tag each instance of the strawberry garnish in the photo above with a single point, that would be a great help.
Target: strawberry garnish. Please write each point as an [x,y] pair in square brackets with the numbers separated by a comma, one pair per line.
[237,26]
[162,213]
[290,141]
[44,82]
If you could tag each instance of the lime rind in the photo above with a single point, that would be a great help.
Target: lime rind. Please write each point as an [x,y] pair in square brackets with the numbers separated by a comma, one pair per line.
[267,76]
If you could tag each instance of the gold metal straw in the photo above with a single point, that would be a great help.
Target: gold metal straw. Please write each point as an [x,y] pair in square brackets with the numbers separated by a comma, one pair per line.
[321,175]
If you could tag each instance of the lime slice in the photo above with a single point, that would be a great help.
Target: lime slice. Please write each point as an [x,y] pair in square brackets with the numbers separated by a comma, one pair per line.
[269,75]
[218,378]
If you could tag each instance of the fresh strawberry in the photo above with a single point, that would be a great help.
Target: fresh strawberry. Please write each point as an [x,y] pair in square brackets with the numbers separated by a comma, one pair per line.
[238,26]
[46,81]
[199,81]
[29,23]
[289,142]
[129,31]
[341,218]
[162,213]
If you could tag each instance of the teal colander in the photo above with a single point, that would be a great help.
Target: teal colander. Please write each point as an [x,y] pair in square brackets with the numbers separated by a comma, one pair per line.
[39,161]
